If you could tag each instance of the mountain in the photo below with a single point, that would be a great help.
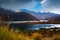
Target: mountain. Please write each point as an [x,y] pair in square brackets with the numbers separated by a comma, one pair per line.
[26,15]
[1,9]
[55,18]
[8,15]
[23,16]
[40,15]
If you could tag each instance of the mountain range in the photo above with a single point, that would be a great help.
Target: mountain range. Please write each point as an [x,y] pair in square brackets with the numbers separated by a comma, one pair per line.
[8,15]
[42,15]
[26,15]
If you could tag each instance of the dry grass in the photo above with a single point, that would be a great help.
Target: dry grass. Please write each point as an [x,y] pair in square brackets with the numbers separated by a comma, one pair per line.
[6,34]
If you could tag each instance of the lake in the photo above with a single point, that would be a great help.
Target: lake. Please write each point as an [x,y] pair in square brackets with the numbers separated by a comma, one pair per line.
[33,26]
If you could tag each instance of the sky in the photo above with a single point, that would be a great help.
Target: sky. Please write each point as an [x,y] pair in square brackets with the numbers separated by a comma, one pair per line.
[32,5]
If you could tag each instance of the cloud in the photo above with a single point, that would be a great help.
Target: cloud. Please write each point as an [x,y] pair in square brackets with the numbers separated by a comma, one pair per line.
[5,2]
[18,4]
[38,0]
[51,6]
[17,1]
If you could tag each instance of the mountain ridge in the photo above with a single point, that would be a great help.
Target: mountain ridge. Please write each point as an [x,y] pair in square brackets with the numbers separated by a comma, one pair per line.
[40,15]
[29,14]
[8,15]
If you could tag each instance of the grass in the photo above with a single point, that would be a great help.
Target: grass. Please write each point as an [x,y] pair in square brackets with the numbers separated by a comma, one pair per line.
[56,38]
[6,34]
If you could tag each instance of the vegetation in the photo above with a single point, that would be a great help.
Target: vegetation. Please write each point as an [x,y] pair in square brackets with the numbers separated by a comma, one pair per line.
[6,34]
[56,38]
[11,34]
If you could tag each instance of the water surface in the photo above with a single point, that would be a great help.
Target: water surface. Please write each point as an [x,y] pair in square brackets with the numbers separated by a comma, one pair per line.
[33,26]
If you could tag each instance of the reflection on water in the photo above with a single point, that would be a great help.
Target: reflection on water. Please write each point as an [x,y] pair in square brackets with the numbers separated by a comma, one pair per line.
[38,26]
[21,26]
[33,26]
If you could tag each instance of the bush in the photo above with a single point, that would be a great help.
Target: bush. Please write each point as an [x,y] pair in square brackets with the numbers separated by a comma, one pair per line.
[6,34]
[56,38]
[38,37]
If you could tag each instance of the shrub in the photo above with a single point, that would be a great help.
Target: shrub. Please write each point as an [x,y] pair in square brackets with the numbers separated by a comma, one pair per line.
[6,34]
[56,38]
[38,37]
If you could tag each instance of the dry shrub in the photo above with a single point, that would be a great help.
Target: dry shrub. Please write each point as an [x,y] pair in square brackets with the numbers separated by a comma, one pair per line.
[56,38]
[6,34]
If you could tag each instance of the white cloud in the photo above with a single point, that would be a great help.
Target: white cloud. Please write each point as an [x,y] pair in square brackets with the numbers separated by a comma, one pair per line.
[47,7]
[43,1]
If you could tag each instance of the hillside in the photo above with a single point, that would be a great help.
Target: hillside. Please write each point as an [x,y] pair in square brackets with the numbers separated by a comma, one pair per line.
[41,15]
[56,18]
[8,15]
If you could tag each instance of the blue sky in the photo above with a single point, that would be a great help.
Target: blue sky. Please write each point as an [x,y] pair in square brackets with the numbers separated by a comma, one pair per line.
[33,5]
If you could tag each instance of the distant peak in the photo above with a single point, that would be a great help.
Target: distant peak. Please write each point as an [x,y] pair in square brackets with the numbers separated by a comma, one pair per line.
[1,8]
